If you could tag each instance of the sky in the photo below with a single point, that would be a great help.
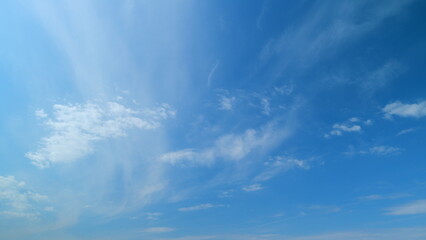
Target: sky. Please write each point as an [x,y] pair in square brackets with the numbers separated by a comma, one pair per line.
[219,120]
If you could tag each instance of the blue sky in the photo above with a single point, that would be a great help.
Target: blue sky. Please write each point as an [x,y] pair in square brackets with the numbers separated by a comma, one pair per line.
[230,120]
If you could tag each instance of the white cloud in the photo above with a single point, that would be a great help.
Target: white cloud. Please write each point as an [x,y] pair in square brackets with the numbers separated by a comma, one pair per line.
[354,119]
[325,209]
[280,164]
[397,108]
[178,156]
[416,207]
[212,73]
[367,234]
[253,187]
[266,108]
[380,197]
[327,26]
[75,127]
[153,215]
[231,146]
[17,201]
[384,150]
[347,128]
[405,131]
[226,194]
[158,230]
[40,113]
[204,237]
[284,90]
[226,103]
[381,76]
[351,125]
[199,207]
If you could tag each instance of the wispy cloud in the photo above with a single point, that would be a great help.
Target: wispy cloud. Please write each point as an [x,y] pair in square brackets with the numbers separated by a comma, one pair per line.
[17,200]
[266,108]
[231,146]
[153,215]
[280,164]
[397,108]
[405,131]
[416,207]
[382,150]
[158,230]
[253,187]
[226,103]
[382,197]
[75,127]
[329,26]
[381,76]
[325,209]
[199,207]
[209,78]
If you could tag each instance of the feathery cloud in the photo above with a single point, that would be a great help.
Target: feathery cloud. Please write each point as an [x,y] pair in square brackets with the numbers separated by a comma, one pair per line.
[280,164]
[416,207]
[230,146]
[199,207]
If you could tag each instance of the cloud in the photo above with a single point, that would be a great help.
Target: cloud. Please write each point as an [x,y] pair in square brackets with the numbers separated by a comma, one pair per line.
[327,26]
[40,113]
[346,128]
[397,108]
[280,164]
[226,103]
[153,215]
[76,127]
[158,230]
[181,155]
[381,197]
[266,108]
[199,207]
[405,131]
[284,90]
[382,150]
[191,238]
[376,150]
[381,76]
[352,125]
[212,73]
[253,187]
[416,207]
[17,201]
[232,147]
[325,209]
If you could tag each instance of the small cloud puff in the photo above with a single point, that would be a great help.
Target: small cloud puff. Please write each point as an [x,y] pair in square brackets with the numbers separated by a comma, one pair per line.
[352,125]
